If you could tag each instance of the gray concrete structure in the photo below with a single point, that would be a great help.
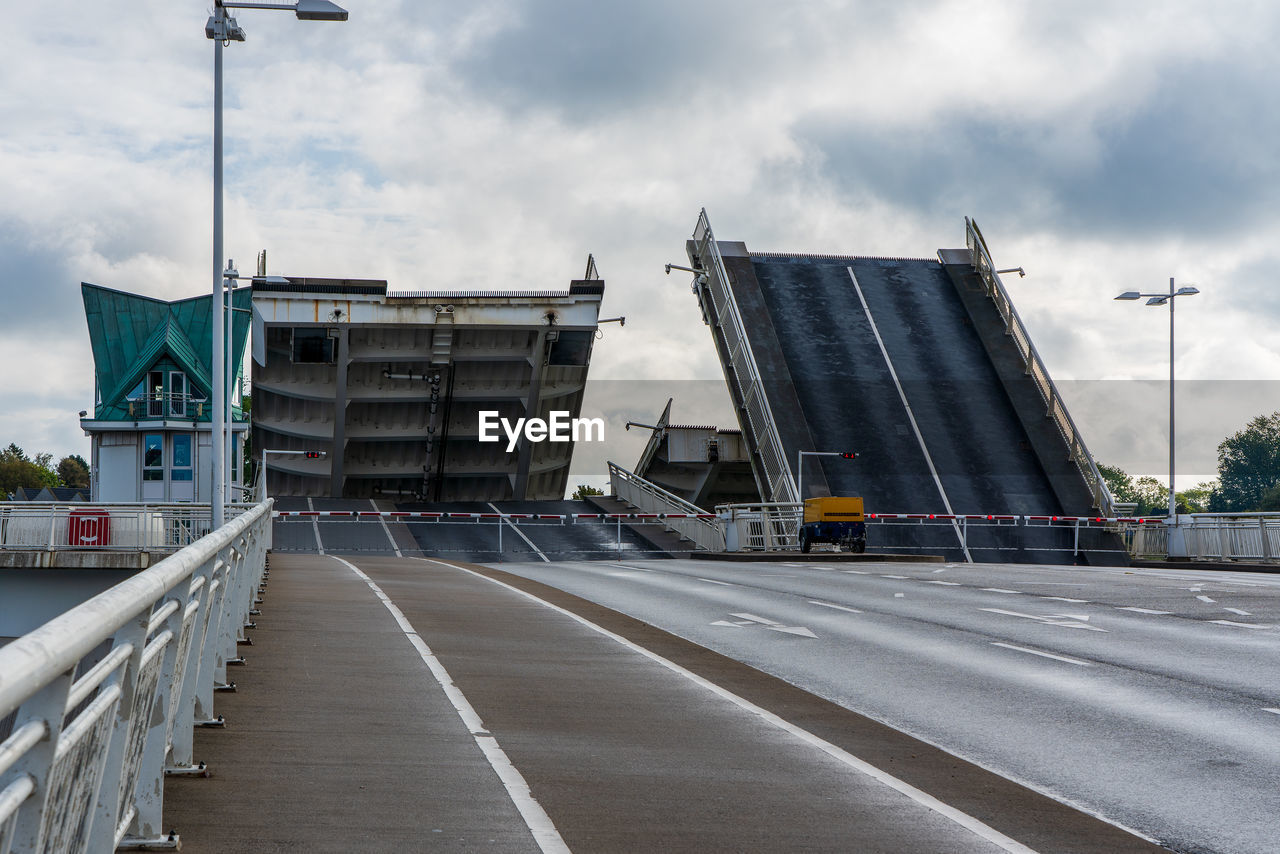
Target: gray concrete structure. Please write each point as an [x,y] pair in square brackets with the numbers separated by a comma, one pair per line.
[389,386]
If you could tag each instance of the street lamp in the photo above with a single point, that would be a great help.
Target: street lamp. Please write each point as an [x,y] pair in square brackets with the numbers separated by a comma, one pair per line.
[223,29]
[1161,299]
[848,455]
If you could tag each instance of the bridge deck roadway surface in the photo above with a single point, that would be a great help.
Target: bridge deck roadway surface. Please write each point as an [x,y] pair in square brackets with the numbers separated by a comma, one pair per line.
[341,737]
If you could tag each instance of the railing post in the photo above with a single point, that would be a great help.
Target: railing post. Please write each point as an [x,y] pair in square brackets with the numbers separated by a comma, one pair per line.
[1266,540]
[106,814]
[48,707]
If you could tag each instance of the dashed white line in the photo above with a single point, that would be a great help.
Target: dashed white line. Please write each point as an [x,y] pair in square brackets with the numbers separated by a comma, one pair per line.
[1239,611]
[1000,590]
[1239,625]
[1206,599]
[855,572]
[947,583]
[1143,610]
[713,581]
[837,607]
[1067,599]
[1042,654]
[899,577]
[1272,711]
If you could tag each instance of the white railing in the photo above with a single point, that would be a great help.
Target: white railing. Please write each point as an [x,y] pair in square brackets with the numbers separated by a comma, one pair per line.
[705,533]
[761,527]
[1245,537]
[741,371]
[1054,407]
[32,526]
[104,698]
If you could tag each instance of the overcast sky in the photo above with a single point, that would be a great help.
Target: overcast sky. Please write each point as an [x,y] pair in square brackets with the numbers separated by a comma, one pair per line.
[1104,146]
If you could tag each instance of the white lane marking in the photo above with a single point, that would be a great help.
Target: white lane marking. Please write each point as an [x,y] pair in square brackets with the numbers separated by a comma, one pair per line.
[936,571]
[1043,654]
[315,528]
[632,568]
[837,607]
[753,618]
[516,528]
[772,625]
[899,596]
[899,577]
[1143,610]
[385,529]
[713,581]
[902,395]
[1272,711]
[1239,625]
[1067,599]
[841,755]
[1195,589]
[1000,590]
[1239,611]
[855,572]
[947,583]
[535,817]
[1206,599]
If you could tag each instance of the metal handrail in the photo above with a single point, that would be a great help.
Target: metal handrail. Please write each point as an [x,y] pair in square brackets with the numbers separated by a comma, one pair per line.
[650,498]
[770,526]
[95,775]
[116,526]
[741,368]
[1246,537]
[1055,408]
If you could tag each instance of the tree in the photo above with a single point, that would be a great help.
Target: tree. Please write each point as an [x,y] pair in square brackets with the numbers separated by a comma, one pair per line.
[584,490]
[1150,495]
[73,471]
[1248,466]
[17,471]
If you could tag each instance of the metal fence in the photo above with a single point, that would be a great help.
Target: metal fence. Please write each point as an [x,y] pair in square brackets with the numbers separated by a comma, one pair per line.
[102,700]
[703,529]
[1245,537]
[33,526]
[1035,368]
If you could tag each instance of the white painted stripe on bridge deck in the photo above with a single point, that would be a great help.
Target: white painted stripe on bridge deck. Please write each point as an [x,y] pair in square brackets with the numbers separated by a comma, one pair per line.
[911,417]
[383,520]
[841,755]
[713,581]
[1042,654]
[1272,711]
[315,528]
[545,559]
[837,607]
[1144,610]
[535,817]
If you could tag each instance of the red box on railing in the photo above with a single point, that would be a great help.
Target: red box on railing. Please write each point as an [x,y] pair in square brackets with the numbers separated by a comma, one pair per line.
[89,527]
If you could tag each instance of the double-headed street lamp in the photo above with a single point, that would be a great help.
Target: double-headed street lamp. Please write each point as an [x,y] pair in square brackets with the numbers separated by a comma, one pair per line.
[223,29]
[1161,299]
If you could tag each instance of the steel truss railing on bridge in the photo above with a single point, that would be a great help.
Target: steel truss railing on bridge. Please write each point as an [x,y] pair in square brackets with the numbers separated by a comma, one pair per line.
[101,701]
[688,520]
[43,526]
[741,371]
[1035,368]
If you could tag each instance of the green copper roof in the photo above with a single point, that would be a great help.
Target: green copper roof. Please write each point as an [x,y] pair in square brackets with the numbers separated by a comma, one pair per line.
[132,334]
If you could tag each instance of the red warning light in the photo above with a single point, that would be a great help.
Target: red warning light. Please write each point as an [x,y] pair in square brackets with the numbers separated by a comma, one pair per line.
[313,455]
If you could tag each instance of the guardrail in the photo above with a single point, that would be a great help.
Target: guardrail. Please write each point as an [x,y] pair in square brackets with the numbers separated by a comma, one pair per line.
[1036,369]
[703,530]
[103,699]
[32,526]
[1246,537]
[768,527]
[741,371]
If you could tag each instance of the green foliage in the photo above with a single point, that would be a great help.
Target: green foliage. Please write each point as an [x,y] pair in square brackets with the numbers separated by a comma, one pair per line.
[73,471]
[17,471]
[584,490]
[1248,466]
[1151,496]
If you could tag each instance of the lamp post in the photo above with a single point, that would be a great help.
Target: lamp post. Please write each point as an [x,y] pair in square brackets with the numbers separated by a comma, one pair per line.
[848,455]
[223,29]
[1161,299]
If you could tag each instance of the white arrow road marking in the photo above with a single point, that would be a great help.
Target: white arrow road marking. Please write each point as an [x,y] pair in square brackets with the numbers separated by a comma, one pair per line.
[1239,625]
[1043,654]
[1239,611]
[1067,621]
[837,607]
[745,620]
[1143,610]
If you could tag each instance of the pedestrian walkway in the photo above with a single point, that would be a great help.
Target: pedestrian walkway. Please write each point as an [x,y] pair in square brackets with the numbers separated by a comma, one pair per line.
[341,737]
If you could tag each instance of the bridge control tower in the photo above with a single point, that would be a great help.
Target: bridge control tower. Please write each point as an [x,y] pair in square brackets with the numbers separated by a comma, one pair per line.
[923,367]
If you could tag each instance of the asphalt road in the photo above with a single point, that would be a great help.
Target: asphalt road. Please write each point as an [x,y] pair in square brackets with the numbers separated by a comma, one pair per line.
[1150,698]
